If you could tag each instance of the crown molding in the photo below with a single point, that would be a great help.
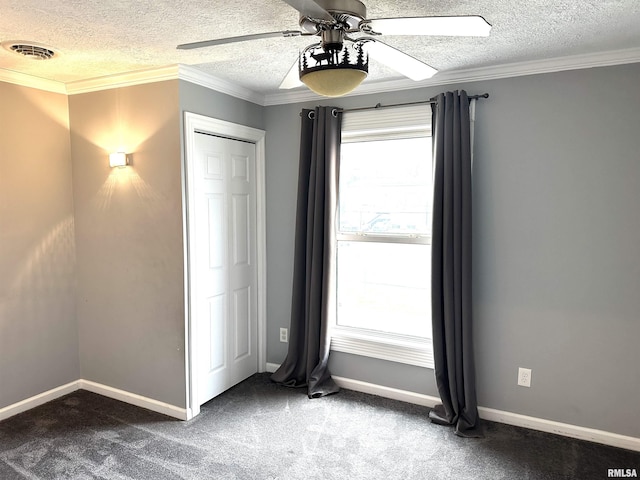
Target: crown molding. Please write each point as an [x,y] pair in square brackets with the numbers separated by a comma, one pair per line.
[198,77]
[138,77]
[169,72]
[24,80]
[193,75]
[119,80]
[537,67]
[518,69]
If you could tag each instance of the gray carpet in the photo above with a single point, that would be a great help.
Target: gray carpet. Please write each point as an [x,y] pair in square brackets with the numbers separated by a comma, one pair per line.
[258,430]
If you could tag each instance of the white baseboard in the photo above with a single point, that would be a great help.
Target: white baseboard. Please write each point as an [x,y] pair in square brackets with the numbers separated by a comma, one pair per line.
[515,419]
[272,367]
[386,392]
[500,416]
[104,390]
[134,399]
[564,429]
[37,400]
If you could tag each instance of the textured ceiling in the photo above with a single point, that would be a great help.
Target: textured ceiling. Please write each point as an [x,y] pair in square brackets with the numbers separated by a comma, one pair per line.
[103,37]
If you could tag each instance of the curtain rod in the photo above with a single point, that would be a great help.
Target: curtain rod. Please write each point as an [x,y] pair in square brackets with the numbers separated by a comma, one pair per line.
[425,102]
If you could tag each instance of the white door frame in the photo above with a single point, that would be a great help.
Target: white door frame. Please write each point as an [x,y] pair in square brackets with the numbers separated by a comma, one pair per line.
[199,123]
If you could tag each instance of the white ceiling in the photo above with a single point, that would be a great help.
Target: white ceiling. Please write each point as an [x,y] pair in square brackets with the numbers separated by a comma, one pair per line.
[97,38]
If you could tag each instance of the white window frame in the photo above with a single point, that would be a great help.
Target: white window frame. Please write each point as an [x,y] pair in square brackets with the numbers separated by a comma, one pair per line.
[367,125]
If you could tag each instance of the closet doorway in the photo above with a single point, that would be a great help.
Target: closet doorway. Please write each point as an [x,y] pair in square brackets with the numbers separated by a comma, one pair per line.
[225,290]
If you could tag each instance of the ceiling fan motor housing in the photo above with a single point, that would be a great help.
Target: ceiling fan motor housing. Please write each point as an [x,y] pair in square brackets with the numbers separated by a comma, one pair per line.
[347,14]
[332,40]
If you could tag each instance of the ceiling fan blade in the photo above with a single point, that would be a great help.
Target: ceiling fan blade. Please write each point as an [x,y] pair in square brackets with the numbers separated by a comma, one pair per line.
[470,26]
[399,61]
[241,38]
[292,78]
[311,9]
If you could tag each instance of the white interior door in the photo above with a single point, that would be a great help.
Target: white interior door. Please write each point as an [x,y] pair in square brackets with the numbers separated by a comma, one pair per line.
[223,265]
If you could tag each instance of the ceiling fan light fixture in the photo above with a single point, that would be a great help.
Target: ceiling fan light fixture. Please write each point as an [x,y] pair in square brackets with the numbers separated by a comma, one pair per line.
[329,69]
[333,82]
[333,72]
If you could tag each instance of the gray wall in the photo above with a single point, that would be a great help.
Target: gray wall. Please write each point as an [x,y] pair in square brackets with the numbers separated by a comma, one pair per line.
[127,329]
[129,231]
[556,181]
[129,240]
[197,99]
[38,332]
[557,185]
[556,235]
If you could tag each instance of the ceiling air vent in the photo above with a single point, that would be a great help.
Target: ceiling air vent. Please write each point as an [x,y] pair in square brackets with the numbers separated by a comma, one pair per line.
[30,50]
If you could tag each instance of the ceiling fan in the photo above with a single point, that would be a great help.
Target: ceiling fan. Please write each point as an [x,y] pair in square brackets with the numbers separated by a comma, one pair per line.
[340,61]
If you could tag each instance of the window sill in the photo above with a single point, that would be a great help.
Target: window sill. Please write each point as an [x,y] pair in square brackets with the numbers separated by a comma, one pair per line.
[391,347]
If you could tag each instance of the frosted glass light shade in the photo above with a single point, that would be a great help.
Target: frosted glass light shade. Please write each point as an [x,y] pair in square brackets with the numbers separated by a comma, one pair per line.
[333,82]
[117,159]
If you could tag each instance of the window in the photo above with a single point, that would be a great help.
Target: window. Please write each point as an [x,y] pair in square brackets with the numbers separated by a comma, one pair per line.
[383,239]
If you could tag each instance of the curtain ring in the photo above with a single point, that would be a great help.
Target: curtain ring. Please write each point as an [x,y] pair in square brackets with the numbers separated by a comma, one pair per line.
[334,112]
[311,114]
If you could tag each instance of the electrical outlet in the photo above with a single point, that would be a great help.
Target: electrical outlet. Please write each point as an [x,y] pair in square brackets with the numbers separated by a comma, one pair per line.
[284,335]
[524,377]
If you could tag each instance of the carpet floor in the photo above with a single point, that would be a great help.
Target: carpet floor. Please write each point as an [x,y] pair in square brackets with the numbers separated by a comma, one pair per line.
[258,430]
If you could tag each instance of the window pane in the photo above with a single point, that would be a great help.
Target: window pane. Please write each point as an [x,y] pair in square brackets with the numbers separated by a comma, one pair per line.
[385,287]
[386,187]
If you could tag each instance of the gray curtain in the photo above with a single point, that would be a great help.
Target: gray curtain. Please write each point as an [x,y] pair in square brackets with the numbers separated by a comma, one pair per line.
[308,354]
[451,266]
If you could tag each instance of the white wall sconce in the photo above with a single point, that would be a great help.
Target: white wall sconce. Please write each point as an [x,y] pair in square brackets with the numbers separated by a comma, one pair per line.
[118,159]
